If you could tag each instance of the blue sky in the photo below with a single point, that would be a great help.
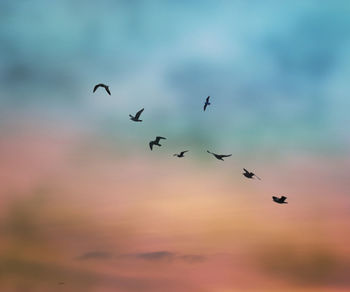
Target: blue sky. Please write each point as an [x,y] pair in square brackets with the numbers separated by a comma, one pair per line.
[276,70]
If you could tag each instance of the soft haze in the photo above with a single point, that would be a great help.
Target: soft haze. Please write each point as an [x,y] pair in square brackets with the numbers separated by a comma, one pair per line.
[85,202]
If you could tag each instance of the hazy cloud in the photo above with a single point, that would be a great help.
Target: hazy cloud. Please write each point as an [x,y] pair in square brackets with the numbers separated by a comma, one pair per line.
[193,258]
[312,266]
[167,256]
[95,255]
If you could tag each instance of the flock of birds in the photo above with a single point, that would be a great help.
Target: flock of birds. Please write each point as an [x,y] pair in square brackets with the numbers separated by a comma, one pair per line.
[156,142]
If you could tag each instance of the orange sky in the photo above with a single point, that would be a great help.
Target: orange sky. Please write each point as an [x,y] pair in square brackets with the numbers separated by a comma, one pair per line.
[151,223]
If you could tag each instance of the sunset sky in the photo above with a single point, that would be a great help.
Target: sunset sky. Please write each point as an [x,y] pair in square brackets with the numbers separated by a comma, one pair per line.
[85,203]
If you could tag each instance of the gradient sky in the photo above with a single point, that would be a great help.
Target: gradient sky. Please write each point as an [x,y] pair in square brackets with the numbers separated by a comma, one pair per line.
[82,199]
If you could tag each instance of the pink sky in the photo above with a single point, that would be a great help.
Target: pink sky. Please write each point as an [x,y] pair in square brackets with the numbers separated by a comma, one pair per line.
[101,222]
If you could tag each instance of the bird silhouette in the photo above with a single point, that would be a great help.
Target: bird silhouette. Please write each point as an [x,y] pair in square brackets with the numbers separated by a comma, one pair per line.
[156,142]
[61,283]
[181,154]
[219,156]
[106,87]
[248,174]
[136,117]
[206,103]
[281,200]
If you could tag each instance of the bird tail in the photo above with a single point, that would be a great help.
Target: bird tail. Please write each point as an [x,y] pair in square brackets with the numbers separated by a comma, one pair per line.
[131,116]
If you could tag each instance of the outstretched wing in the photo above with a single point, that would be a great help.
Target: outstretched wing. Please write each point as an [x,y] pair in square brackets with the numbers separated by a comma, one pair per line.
[151,145]
[246,171]
[226,155]
[107,89]
[257,177]
[183,152]
[283,198]
[138,114]
[97,86]
[158,138]
[206,103]
[210,152]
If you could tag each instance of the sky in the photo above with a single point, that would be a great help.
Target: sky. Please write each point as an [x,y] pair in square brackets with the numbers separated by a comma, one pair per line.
[85,203]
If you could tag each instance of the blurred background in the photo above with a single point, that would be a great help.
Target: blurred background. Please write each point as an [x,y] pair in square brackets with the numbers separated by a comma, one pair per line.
[86,206]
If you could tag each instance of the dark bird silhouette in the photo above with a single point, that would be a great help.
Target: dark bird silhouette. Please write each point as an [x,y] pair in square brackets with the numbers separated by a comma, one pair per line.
[281,200]
[136,117]
[219,156]
[61,283]
[206,103]
[181,154]
[248,174]
[102,85]
[156,142]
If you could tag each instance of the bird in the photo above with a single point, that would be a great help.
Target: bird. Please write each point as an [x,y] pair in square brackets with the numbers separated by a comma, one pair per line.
[219,156]
[206,103]
[248,174]
[181,154]
[106,87]
[280,200]
[136,117]
[61,283]
[156,142]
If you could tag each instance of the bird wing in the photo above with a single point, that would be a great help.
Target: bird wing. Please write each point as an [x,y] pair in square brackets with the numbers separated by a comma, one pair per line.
[183,152]
[226,155]
[107,89]
[138,114]
[245,170]
[207,100]
[158,138]
[151,145]
[205,106]
[210,152]
[257,177]
[283,198]
[96,86]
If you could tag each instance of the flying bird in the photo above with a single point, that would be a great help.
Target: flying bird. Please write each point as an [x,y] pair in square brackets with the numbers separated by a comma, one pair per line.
[156,142]
[181,154]
[61,283]
[280,200]
[206,103]
[106,87]
[219,156]
[137,116]
[248,174]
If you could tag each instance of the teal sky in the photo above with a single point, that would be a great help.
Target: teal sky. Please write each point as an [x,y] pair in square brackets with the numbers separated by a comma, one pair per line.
[276,70]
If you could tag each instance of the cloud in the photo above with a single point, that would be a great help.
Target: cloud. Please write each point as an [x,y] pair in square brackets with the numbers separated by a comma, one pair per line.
[95,255]
[312,266]
[18,271]
[155,256]
[193,258]
[167,256]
